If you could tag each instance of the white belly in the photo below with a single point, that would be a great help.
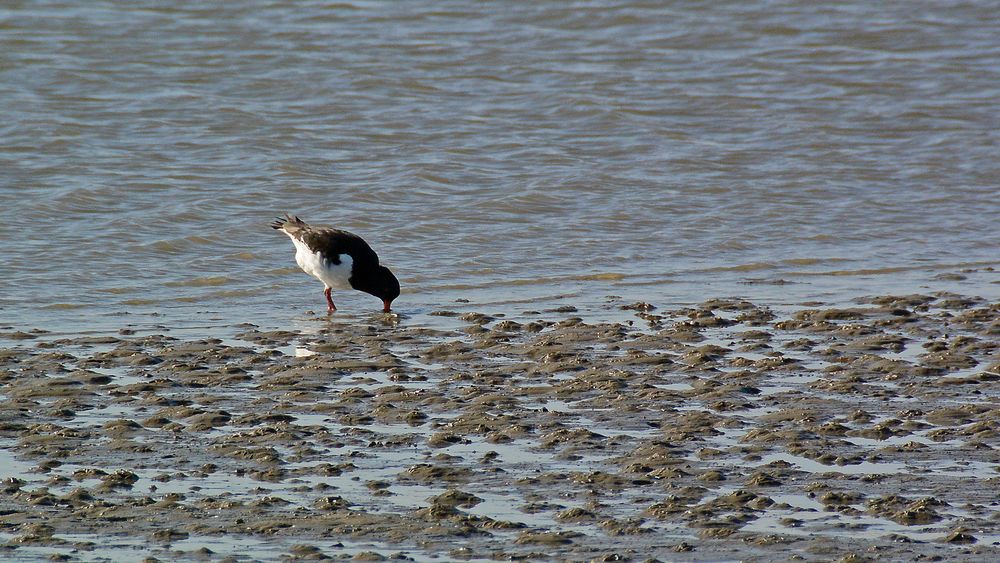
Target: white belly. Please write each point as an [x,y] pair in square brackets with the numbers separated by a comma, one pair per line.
[333,275]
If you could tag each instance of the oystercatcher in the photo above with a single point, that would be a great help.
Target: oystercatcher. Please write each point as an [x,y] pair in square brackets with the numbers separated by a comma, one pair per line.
[339,259]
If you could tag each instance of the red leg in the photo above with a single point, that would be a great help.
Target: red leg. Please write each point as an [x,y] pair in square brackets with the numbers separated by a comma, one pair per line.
[329,301]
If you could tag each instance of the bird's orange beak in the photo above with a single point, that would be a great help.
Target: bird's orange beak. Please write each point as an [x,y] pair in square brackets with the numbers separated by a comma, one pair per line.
[387,303]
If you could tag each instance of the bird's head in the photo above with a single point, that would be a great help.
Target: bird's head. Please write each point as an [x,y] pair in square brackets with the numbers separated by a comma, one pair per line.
[384,285]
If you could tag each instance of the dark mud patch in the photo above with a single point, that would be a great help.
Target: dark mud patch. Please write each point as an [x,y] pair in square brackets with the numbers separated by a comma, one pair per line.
[722,431]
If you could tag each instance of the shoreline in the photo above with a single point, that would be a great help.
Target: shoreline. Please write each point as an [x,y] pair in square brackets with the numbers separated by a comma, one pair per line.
[297,304]
[727,430]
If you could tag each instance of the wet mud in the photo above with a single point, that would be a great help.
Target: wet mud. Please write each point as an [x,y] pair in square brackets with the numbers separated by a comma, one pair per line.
[725,431]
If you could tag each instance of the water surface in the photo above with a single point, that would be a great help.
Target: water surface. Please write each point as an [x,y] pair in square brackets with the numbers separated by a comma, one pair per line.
[518,157]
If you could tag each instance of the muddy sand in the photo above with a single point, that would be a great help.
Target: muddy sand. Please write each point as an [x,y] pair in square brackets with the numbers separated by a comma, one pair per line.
[726,431]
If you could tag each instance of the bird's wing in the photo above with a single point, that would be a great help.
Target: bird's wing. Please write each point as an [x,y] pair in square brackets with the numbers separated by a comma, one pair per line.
[332,242]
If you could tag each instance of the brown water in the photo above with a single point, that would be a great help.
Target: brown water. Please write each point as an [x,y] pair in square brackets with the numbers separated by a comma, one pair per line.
[523,157]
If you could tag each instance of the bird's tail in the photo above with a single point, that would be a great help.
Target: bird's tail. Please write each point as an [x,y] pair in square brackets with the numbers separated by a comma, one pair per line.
[289,224]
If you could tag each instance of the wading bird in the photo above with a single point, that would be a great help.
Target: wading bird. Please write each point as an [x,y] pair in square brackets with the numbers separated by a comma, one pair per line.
[339,259]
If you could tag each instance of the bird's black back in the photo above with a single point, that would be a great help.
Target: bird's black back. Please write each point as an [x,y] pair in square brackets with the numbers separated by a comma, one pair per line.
[332,242]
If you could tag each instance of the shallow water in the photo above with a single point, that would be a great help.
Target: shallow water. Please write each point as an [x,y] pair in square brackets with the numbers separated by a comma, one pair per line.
[546,154]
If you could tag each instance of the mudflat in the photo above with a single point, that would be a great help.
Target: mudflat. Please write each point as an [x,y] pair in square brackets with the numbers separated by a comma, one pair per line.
[730,430]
